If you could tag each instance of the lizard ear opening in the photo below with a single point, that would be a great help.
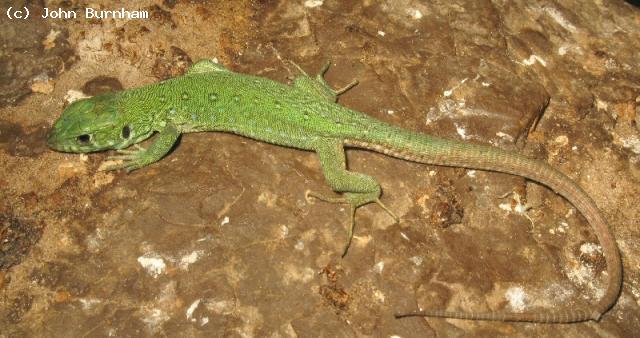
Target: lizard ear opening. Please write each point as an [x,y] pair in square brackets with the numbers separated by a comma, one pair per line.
[126,132]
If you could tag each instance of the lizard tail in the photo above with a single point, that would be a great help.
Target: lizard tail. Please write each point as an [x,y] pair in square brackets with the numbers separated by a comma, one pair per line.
[562,316]
[429,150]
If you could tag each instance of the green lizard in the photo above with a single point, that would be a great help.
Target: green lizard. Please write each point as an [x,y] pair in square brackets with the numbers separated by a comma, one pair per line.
[305,115]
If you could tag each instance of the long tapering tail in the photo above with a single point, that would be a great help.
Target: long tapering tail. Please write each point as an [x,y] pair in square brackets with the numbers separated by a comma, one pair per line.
[425,149]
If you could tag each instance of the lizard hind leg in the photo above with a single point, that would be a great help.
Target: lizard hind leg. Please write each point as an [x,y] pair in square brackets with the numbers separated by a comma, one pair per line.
[336,93]
[357,189]
[317,86]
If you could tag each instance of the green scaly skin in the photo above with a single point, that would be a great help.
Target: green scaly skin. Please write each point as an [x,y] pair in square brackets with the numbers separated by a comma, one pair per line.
[305,116]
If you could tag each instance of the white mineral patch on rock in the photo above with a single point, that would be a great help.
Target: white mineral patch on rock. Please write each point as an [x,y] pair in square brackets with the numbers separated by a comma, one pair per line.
[154,264]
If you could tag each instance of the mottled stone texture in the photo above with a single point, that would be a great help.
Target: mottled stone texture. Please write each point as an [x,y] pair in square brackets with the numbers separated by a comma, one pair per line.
[32,52]
[217,239]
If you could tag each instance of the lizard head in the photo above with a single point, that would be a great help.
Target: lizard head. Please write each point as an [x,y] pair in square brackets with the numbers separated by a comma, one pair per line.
[94,124]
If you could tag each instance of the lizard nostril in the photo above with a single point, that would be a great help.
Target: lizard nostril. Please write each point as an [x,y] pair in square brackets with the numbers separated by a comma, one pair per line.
[50,138]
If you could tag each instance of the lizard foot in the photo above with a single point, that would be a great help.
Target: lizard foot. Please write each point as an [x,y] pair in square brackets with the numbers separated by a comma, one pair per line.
[320,78]
[317,86]
[131,159]
[354,200]
[339,200]
[385,208]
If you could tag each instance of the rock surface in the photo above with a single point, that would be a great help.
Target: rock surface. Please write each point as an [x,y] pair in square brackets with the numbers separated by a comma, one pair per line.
[217,238]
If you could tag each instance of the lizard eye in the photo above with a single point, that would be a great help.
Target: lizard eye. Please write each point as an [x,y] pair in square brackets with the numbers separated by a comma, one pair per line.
[84,139]
[126,132]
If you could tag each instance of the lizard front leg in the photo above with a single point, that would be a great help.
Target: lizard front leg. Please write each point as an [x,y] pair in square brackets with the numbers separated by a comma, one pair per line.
[357,189]
[136,159]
